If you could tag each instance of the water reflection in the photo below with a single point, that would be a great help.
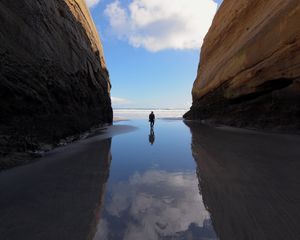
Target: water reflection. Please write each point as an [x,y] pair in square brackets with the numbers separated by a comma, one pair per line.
[250,182]
[152,192]
[59,197]
[151,136]
[155,205]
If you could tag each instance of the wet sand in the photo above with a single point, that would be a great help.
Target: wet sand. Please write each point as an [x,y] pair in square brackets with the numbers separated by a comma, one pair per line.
[60,196]
[152,192]
[189,181]
[250,181]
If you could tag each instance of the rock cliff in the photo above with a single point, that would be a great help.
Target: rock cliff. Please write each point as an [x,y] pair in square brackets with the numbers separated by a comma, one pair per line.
[249,71]
[54,81]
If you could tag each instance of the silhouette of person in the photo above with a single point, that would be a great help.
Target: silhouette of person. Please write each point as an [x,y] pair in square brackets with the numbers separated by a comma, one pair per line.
[151,136]
[151,119]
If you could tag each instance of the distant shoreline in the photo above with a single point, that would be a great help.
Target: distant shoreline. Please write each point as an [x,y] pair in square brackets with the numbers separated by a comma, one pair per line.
[154,109]
[142,113]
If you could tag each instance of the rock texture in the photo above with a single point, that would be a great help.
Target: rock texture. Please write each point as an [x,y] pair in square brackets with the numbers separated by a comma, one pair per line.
[54,81]
[249,72]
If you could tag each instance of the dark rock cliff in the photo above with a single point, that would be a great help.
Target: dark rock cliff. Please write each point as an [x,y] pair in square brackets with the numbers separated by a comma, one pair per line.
[249,72]
[53,78]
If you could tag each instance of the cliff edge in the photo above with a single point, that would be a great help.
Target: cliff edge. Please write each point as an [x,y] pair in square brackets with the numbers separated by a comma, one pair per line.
[54,82]
[249,71]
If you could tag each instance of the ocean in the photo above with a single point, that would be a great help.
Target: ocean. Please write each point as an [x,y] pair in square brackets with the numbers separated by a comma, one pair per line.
[131,113]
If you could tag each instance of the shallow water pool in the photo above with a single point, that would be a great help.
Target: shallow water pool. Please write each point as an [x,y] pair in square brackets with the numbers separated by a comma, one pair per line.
[152,191]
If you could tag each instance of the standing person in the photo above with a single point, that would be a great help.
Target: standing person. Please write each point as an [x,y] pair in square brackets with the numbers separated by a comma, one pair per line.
[151,119]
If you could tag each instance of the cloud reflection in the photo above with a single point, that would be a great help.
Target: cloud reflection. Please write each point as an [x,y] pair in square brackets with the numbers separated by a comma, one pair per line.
[154,205]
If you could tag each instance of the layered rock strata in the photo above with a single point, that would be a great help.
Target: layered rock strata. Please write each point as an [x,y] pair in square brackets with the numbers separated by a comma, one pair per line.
[249,71]
[54,82]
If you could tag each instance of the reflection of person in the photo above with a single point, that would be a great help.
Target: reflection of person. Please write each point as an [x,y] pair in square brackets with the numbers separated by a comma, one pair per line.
[151,136]
[151,119]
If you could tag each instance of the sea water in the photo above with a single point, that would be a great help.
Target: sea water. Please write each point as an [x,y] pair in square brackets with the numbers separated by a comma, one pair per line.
[133,113]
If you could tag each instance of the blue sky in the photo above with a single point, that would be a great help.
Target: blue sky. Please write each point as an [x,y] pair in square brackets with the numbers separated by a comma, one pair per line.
[152,49]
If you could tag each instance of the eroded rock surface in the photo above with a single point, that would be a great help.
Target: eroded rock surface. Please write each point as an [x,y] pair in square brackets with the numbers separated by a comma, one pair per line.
[54,82]
[249,72]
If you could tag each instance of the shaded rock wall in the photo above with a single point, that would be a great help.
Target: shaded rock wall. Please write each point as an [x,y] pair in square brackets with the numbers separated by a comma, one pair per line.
[248,182]
[249,71]
[53,78]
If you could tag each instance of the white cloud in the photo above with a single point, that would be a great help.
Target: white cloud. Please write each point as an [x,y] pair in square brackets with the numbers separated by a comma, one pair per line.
[157,25]
[92,3]
[155,203]
[119,101]
[102,230]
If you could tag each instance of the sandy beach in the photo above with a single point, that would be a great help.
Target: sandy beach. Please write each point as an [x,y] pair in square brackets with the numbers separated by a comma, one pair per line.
[249,181]
[60,195]
[150,120]
[180,180]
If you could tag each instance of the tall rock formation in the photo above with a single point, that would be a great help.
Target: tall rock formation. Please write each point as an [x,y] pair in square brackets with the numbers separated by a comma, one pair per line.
[249,71]
[54,81]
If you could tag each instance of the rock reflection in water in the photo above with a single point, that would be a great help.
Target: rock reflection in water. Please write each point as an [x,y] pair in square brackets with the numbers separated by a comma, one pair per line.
[250,182]
[59,197]
[155,205]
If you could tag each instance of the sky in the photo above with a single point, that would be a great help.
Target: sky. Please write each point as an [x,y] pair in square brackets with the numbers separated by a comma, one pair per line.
[152,48]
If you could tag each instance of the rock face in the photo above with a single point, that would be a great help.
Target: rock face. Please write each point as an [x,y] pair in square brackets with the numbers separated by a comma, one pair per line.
[54,81]
[249,72]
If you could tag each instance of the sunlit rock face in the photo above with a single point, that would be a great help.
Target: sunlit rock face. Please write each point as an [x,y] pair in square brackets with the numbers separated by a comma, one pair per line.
[54,81]
[249,72]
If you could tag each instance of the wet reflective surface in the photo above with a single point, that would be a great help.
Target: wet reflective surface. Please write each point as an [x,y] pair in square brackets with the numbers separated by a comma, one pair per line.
[59,197]
[175,181]
[250,182]
[152,191]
